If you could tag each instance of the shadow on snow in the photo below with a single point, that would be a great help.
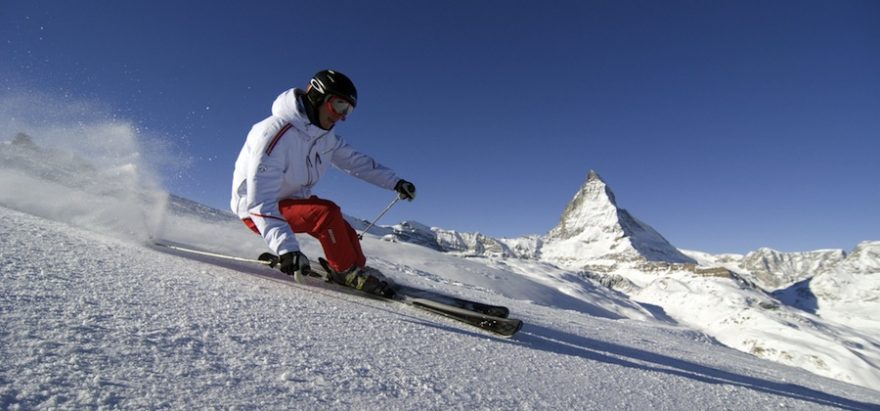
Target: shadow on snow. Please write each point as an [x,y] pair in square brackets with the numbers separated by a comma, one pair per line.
[547,339]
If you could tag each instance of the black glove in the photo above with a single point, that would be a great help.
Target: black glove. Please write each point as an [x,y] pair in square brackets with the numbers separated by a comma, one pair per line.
[406,190]
[290,263]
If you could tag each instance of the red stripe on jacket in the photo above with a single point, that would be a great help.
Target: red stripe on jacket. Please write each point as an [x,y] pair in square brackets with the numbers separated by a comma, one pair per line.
[277,138]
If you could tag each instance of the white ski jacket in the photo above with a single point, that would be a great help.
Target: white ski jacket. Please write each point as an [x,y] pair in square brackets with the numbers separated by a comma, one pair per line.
[283,157]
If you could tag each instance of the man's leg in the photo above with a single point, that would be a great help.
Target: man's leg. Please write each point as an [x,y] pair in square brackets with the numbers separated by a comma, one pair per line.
[323,220]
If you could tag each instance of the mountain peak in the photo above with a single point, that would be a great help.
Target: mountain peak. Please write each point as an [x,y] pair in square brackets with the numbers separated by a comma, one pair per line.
[593,203]
[593,226]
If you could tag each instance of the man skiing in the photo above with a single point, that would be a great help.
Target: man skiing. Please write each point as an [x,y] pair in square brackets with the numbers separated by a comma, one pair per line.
[284,156]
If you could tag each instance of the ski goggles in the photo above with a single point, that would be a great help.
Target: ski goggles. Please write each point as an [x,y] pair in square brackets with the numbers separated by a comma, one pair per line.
[339,106]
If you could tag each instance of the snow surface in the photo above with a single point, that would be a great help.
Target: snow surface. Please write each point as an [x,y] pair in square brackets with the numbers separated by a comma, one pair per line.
[94,321]
[94,318]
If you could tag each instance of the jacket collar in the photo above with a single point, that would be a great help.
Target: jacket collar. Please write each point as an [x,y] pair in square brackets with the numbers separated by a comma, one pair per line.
[290,107]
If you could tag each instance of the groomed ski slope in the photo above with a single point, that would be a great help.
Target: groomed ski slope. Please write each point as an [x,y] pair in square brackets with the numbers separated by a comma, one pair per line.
[91,320]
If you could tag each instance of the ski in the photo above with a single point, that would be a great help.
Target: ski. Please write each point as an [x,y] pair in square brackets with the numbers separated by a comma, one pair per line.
[498,325]
[488,309]
[491,318]
[485,316]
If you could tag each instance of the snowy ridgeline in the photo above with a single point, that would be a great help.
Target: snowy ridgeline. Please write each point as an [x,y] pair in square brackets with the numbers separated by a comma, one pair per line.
[110,322]
[815,310]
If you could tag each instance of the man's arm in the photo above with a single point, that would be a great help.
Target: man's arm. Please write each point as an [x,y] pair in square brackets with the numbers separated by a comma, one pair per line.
[362,166]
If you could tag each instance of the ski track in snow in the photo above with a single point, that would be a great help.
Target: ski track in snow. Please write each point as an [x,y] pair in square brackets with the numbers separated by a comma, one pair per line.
[91,321]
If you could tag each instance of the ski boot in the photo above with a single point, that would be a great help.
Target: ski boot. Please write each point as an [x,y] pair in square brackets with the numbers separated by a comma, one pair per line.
[366,279]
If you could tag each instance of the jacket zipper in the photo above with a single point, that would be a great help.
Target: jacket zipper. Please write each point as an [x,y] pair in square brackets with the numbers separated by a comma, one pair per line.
[309,163]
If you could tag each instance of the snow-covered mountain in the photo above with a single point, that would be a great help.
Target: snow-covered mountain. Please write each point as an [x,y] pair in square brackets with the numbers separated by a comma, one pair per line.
[742,316]
[772,269]
[108,322]
[466,244]
[595,234]
[847,292]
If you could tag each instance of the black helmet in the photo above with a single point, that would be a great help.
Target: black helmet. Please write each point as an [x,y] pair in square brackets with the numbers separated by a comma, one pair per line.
[331,83]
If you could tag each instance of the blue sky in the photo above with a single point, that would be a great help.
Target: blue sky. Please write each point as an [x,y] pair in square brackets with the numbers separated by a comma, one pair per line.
[727,126]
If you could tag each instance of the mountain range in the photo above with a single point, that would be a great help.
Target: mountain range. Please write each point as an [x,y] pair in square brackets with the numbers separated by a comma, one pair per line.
[758,302]
[596,235]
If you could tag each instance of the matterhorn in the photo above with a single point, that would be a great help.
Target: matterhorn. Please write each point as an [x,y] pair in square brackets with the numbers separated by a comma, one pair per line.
[595,234]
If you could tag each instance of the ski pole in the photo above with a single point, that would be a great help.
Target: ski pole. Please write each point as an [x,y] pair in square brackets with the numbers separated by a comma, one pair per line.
[376,220]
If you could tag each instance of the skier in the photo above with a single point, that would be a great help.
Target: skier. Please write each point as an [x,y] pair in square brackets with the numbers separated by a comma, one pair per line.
[284,156]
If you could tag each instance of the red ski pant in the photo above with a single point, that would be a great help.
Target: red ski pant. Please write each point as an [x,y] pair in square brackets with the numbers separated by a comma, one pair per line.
[323,220]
